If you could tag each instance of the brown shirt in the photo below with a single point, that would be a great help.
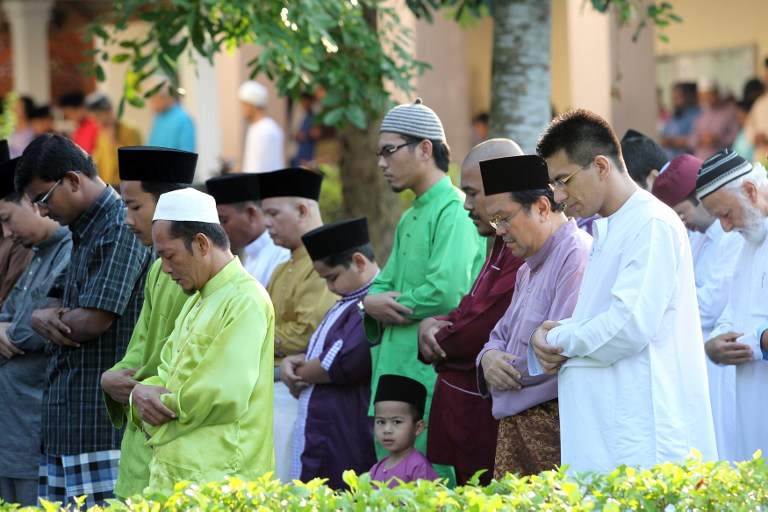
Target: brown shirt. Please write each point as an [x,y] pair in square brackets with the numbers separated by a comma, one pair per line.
[14,258]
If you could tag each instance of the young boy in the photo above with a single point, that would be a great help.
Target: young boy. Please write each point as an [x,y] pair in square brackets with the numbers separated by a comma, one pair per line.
[399,412]
[332,380]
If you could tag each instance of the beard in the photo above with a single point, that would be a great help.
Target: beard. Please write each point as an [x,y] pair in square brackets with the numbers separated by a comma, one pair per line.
[754,229]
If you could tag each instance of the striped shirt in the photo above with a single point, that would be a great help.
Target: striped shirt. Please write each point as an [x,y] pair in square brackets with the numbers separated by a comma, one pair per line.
[107,271]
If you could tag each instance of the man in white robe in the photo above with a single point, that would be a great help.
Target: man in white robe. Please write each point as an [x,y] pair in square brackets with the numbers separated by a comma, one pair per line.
[714,260]
[632,380]
[736,192]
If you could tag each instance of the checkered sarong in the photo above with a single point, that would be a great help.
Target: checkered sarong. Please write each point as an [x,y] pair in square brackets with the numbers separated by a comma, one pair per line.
[65,477]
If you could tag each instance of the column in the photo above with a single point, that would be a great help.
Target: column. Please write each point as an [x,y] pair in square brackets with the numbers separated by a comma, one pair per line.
[29,41]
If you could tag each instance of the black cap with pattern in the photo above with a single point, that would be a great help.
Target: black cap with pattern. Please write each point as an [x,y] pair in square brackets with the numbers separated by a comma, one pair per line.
[719,170]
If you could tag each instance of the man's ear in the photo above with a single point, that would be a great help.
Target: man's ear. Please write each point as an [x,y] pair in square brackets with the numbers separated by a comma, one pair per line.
[73,180]
[203,244]
[420,426]
[603,165]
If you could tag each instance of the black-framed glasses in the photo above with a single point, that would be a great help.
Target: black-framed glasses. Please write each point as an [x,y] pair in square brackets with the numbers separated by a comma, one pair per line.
[43,201]
[390,150]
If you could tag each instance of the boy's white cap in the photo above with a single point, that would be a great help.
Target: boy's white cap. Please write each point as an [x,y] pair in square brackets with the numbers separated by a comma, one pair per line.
[186,205]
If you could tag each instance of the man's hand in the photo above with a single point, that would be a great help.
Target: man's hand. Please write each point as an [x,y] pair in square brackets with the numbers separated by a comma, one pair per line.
[548,356]
[430,349]
[146,399]
[119,383]
[499,372]
[724,349]
[384,308]
[288,374]
[7,349]
[47,323]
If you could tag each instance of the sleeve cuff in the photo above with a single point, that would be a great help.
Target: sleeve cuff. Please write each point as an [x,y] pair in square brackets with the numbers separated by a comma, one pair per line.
[534,368]
[373,329]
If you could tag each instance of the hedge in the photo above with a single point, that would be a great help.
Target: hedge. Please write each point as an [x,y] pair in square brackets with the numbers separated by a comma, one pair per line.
[693,485]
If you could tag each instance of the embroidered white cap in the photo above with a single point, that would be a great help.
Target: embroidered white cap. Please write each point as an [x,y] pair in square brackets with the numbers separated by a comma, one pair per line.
[186,205]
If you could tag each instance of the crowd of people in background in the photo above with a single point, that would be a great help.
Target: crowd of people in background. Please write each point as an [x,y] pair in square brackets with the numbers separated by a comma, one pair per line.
[593,304]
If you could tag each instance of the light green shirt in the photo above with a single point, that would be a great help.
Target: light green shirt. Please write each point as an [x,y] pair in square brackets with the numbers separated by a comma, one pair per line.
[163,300]
[437,254]
[217,365]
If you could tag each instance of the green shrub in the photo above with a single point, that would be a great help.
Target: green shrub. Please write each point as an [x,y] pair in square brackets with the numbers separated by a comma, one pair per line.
[692,486]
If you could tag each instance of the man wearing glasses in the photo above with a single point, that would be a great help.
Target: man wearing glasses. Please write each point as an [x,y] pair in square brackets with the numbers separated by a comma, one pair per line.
[90,328]
[437,251]
[632,384]
[522,207]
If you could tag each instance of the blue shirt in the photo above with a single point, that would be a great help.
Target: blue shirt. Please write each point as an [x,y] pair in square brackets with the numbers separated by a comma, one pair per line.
[680,126]
[174,129]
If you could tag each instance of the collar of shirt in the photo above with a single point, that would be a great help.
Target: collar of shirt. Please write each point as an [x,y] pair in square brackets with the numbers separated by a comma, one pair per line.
[299,253]
[218,281]
[601,225]
[253,249]
[535,261]
[434,192]
[360,292]
[82,225]
[55,238]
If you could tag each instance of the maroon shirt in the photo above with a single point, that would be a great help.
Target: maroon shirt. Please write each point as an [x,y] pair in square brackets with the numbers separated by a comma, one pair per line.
[462,431]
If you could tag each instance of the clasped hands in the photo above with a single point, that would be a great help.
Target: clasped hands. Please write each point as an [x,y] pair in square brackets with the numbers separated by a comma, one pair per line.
[288,375]
[385,308]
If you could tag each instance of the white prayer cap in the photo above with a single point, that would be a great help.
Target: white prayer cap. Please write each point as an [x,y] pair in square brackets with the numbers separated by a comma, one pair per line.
[254,93]
[186,205]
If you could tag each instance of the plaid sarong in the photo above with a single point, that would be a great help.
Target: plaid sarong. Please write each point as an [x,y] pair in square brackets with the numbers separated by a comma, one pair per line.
[93,475]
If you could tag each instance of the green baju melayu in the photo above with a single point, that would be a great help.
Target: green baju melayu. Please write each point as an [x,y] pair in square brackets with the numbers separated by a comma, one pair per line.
[437,254]
[163,300]
[218,367]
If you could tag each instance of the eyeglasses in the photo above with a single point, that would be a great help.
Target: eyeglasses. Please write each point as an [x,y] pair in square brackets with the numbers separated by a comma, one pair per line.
[390,150]
[560,183]
[498,222]
[43,201]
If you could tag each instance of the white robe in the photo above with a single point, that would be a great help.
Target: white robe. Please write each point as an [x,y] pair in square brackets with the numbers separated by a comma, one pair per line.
[634,390]
[264,149]
[262,256]
[745,312]
[714,260]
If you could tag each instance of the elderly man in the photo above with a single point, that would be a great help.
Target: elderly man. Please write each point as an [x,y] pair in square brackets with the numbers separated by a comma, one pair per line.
[242,218]
[632,383]
[301,297]
[522,207]
[714,262]
[145,174]
[90,329]
[437,252]
[22,350]
[264,143]
[736,192]
[462,430]
[208,411]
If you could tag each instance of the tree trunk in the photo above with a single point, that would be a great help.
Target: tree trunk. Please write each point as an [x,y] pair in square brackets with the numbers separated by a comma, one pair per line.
[364,189]
[520,86]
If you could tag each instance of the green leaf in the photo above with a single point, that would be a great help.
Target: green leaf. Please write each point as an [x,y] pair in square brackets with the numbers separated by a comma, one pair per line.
[333,117]
[100,76]
[120,58]
[356,116]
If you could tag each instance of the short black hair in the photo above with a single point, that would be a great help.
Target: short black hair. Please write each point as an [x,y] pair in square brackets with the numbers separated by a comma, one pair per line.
[641,156]
[158,188]
[440,150]
[583,135]
[482,117]
[188,230]
[29,105]
[49,157]
[72,99]
[345,257]
[528,197]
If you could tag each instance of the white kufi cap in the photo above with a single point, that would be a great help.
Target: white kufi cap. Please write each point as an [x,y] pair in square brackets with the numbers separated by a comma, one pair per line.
[254,93]
[186,205]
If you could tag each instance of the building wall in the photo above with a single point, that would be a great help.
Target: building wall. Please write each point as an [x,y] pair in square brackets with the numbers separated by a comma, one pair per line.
[711,24]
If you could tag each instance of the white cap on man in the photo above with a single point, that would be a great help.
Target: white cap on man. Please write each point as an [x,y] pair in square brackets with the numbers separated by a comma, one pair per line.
[253,93]
[186,205]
